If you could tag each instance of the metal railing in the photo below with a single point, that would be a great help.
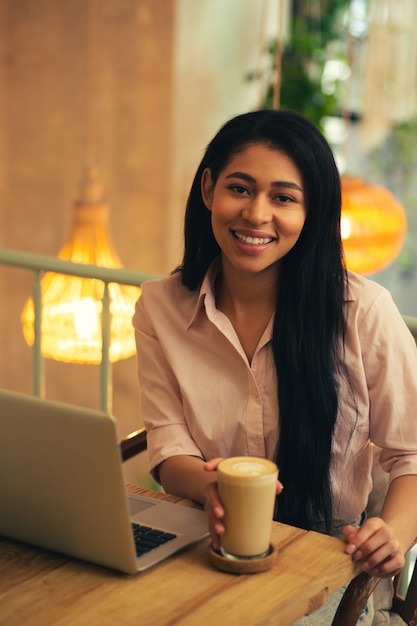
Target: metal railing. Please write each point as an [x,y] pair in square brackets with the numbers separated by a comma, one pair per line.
[39,264]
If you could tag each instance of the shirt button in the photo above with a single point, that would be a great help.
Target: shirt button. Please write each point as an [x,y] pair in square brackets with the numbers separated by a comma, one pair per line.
[255,395]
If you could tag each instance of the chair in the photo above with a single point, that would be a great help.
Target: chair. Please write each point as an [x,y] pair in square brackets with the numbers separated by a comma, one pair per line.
[133,444]
[407,607]
[388,592]
[358,592]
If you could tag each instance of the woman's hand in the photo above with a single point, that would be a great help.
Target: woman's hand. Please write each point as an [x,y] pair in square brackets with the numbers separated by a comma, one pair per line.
[214,508]
[374,544]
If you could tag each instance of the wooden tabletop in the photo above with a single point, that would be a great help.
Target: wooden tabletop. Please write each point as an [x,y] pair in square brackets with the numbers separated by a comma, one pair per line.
[41,588]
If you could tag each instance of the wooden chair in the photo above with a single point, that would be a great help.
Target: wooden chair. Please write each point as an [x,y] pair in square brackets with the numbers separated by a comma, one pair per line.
[360,589]
[407,607]
[133,444]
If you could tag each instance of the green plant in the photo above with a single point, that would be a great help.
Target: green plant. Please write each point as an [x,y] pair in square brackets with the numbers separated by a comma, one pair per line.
[317,34]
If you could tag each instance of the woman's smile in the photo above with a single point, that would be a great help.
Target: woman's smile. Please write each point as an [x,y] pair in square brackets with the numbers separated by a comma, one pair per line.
[252,240]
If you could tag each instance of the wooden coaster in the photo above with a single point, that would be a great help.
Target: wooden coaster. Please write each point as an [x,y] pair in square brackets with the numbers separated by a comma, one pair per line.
[242,566]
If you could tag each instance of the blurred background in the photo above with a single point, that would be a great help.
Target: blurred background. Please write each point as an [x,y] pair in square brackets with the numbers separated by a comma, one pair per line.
[137,88]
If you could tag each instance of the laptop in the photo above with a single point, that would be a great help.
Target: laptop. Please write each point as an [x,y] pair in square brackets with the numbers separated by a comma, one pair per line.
[62,488]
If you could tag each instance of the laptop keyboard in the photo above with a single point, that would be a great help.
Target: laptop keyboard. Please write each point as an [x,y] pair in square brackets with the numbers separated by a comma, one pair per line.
[147,538]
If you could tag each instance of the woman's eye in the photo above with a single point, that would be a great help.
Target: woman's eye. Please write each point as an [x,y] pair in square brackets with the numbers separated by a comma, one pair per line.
[283,198]
[239,189]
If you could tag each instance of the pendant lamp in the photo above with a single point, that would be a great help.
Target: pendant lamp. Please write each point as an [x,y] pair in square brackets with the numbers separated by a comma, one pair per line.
[373,226]
[71,306]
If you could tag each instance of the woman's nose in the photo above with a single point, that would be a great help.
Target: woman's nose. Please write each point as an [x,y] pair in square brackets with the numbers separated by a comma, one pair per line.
[257,211]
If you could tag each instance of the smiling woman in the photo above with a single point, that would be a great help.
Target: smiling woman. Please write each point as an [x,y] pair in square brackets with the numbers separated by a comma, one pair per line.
[262,344]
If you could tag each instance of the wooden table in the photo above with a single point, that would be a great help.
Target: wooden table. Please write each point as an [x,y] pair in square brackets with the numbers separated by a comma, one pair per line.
[41,588]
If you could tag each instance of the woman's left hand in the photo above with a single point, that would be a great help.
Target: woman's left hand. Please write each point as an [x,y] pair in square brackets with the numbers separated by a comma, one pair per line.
[374,544]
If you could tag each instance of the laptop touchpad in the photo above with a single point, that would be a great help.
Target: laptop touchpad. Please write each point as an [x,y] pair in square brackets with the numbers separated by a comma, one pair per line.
[138,506]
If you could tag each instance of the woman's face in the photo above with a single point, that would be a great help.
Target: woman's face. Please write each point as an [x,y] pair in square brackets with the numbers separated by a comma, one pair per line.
[257,208]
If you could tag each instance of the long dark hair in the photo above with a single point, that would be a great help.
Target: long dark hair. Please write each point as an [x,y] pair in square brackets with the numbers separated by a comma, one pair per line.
[309,323]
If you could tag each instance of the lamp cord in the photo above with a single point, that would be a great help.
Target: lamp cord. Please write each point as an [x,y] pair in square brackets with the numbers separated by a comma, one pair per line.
[92,37]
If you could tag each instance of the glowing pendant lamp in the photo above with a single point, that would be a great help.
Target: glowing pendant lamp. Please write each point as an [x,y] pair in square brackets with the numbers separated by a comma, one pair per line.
[71,306]
[373,226]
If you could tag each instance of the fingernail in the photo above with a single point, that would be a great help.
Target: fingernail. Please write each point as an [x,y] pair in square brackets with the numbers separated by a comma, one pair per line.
[350,549]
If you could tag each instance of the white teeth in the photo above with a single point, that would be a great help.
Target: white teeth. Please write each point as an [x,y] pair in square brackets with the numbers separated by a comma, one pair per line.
[253,241]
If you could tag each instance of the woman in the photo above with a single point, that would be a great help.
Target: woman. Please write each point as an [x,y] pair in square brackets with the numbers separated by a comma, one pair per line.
[262,344]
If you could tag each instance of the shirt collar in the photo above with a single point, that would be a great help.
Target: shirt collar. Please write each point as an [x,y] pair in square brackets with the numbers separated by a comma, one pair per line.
[206,291]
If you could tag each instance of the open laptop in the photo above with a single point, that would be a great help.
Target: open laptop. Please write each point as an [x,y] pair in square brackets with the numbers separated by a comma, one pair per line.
[61,488]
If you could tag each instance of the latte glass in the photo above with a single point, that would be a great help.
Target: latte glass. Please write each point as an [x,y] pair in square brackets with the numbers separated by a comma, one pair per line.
[247,488]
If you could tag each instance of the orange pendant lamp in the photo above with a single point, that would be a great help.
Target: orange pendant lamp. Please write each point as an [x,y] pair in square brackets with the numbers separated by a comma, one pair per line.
[71,306]
[373,226]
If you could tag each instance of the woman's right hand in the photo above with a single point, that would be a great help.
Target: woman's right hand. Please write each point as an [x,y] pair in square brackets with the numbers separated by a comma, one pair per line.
[213,506]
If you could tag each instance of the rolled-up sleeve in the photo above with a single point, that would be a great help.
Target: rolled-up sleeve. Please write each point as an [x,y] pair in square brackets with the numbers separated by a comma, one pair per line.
[161,400]
[390,360]
[378,397]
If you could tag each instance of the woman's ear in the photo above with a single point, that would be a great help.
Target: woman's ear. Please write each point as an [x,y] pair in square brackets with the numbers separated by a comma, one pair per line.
[207,188]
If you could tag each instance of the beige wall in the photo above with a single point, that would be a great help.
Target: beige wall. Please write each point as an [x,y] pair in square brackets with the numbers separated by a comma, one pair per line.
[167,75]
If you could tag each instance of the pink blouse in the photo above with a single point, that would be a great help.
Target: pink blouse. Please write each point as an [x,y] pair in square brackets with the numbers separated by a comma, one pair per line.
[200,396]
